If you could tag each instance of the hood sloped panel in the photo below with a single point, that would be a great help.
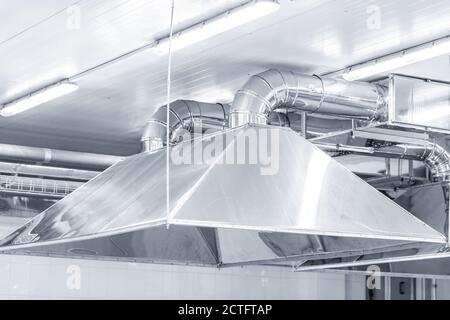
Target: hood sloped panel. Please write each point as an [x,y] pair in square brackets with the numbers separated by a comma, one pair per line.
[308,193]
[429,260]
[293,201]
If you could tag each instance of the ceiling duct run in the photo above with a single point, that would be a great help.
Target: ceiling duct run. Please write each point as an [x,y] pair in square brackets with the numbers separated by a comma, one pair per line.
[275,89]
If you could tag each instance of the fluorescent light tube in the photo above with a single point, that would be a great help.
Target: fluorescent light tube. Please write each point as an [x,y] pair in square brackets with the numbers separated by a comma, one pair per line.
[398,60]
[223,22]
[39,97]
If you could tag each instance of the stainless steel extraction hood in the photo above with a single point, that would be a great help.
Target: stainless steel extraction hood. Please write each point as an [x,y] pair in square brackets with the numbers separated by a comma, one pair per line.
[250,194]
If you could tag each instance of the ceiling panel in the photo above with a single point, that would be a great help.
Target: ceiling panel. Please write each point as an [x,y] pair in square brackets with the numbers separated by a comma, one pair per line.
[57,48]
[21,16]
[436,68]
[113,103]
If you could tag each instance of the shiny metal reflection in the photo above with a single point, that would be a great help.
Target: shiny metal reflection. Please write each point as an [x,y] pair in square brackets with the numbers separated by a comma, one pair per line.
[430,204]
[225,212]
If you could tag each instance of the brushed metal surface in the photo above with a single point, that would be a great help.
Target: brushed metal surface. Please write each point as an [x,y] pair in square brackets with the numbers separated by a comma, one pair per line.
[311,193]
[427,202]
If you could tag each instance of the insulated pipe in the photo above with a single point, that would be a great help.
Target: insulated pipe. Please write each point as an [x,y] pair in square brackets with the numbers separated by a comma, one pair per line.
[185,116]
[436,158]
[274,89]
[57,157]
[45,171]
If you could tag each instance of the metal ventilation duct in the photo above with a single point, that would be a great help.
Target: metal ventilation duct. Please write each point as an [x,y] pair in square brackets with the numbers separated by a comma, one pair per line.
[275,89]
[186,117]
[191,118]
[299,205]
[70,159]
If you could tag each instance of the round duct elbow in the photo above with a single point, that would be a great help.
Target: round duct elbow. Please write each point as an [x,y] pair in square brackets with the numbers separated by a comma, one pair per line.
[185,117]
[274,89]
[438,160]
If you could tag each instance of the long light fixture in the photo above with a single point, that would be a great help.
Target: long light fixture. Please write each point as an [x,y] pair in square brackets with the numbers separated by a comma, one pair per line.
[38,97]
[399,59]
[223,22]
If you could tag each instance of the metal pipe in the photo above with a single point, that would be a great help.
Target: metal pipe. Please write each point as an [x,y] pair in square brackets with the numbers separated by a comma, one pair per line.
[345,148]
[274,89]
[433,289]
[435,157]
[192,117]
[196,117]
[304,122]
[388,166]
[387,288]
[186,117]
[57,157]
[45,171]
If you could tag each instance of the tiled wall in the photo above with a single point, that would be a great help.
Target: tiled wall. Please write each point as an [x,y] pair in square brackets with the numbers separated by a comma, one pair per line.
[26,277]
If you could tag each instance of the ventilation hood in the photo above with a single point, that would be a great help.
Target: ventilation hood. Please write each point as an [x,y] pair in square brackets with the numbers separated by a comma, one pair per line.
[292,203]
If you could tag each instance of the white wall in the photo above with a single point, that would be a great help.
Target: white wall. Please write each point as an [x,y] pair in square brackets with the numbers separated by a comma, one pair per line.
[443,289]
[26,277]
[355,288]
